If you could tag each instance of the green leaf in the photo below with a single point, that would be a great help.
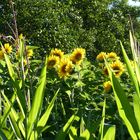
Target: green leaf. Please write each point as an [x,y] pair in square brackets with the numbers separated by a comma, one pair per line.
[85,135]
[73,133]
[37,102]
[16,124]
[101,129]
[42,122]
[131,71]
[21,97]
[124,108]
[110,134]
[64,131]
[2,136]
[136,103]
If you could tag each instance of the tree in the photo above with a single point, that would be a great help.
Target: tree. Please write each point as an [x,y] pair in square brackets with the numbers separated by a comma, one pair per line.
[94,25]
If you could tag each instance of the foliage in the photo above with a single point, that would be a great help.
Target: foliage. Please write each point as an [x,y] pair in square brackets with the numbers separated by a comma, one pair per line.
[93,25]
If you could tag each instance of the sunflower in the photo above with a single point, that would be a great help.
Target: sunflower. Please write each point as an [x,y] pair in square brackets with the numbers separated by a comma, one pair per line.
[107,86]
[52,61]
[101,56]
[7,48]
[29,53]
[1,54]
[65,68]
[77,56]
[112,55]
[118,68]
[57,52]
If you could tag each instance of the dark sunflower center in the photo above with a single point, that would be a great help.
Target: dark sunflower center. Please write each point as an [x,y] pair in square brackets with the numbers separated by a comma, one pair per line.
[117,68]
[57,54]
[78,56]
[51,63]
[64,68]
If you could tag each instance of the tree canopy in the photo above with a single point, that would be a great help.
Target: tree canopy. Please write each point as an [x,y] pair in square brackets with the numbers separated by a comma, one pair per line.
[91,24]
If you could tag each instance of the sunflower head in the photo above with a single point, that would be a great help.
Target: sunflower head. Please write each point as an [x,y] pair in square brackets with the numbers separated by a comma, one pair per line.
[112,55]
[29,53]
[118,68]
[65,68]
[7,48]
[101,56]
[52,61]
[57,52]
[78,55]
[1,54]
[107,86]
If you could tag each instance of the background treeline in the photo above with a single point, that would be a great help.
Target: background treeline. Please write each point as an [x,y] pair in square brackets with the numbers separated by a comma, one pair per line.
[66,24]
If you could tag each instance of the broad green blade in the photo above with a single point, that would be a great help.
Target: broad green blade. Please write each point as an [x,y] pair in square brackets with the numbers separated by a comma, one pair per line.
[136,104]
[14,118]
[10,67]
[110,134]
[131,71]
[85,135]
[82,126]
[64,131]
[124,108]
[37,102]
[73,133]
[101,129]
[42,122]
[21,96]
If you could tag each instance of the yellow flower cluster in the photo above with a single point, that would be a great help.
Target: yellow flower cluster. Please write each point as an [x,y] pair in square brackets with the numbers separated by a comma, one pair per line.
[114,61]
[107,86]
[5,49]
[64,64]
[109,56]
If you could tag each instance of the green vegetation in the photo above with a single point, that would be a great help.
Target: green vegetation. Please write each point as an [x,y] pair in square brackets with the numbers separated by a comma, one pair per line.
[80,82]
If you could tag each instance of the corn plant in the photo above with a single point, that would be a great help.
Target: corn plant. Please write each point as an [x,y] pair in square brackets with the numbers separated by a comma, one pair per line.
[129,110]
[25,119]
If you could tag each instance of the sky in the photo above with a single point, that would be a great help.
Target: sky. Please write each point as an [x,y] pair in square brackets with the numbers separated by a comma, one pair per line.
[133,3]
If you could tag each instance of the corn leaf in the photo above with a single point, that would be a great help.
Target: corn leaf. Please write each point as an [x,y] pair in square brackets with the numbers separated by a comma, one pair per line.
[124,108]
[136,103]
[42,122]
[37,102]
[21,97]
[131,71]
[14,119]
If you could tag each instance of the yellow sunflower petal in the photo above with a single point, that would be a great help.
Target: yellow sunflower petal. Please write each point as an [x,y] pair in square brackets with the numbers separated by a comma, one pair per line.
[78,55]
[101,56]
[52,61]
[65,68]
[107,86]
[118,68]
[7,48]
[57,52]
